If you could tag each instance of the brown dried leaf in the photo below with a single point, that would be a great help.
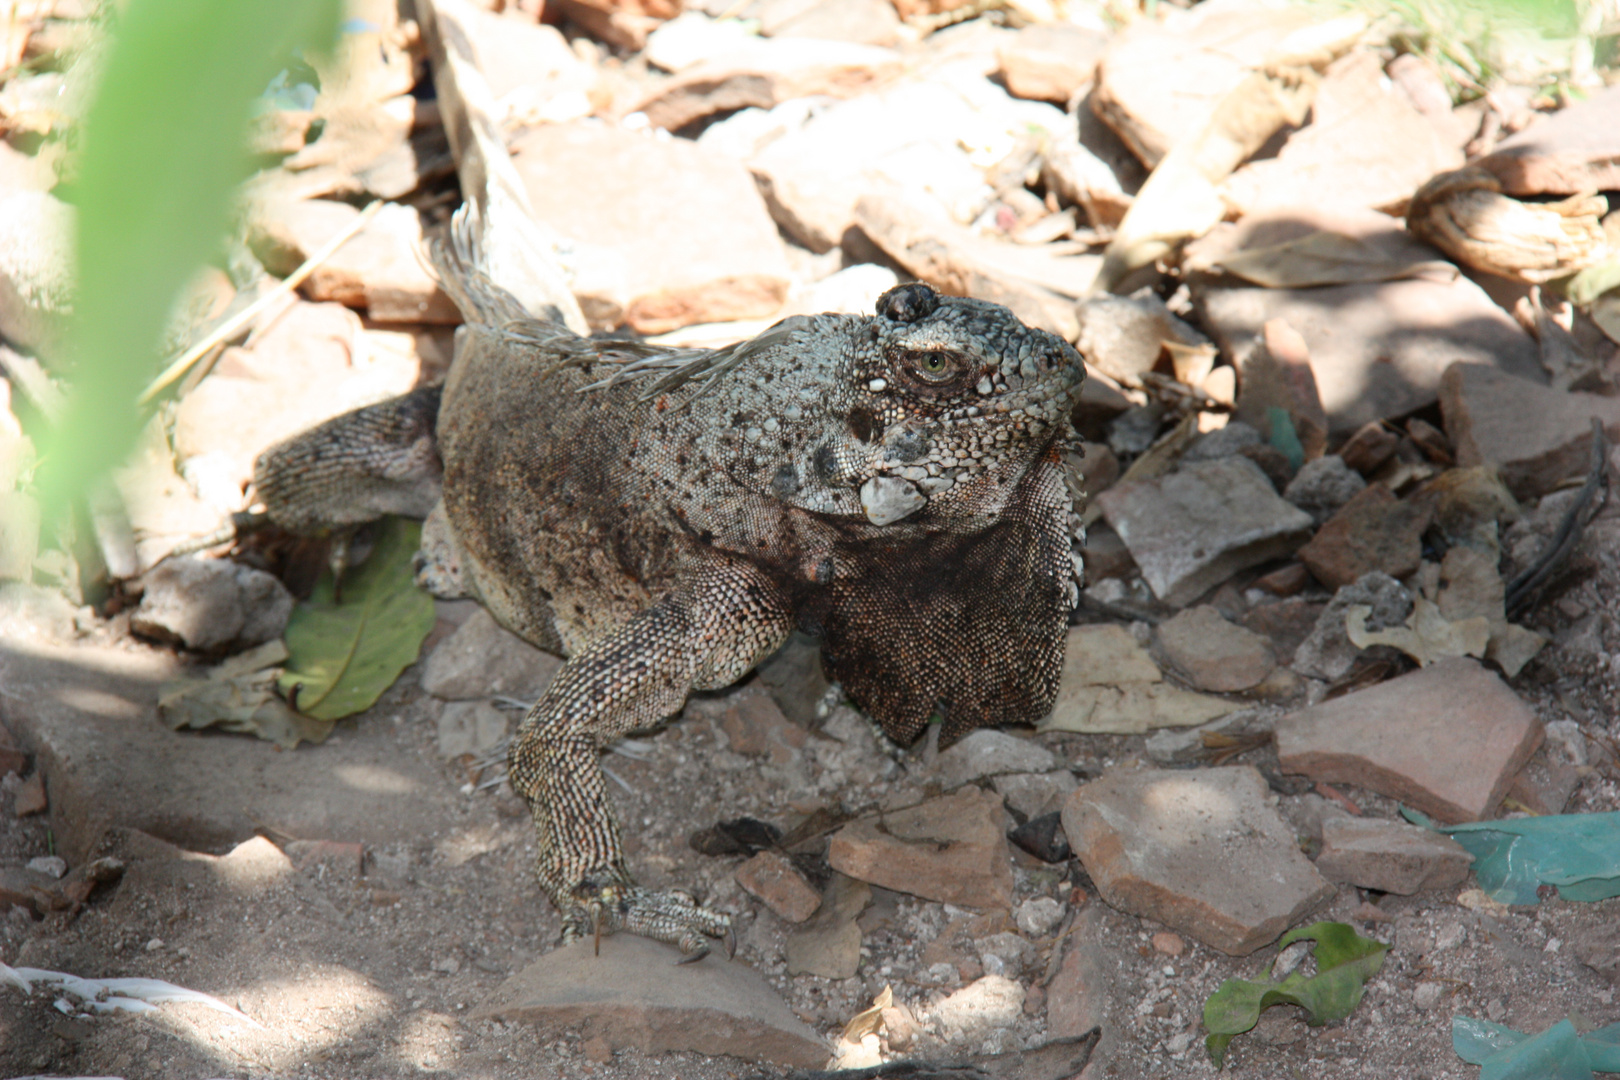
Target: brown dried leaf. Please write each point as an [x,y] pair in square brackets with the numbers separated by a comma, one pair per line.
[1326,258]
[1465,215]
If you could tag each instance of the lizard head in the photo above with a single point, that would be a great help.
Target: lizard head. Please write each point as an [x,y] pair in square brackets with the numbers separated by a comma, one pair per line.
[945,402]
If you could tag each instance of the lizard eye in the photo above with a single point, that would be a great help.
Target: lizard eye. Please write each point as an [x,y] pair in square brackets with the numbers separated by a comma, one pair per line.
[933,369]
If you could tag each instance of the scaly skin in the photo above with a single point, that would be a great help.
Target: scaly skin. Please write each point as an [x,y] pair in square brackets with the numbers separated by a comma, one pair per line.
[667,518]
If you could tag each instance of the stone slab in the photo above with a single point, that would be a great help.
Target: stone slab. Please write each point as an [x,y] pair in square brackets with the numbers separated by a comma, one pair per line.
[1446,739]
[952,849]
[1201,851]
[1215,654]
[635,995]
[1194,528]
[1374,531]
[482,659]
[1572,151]
[1390,856]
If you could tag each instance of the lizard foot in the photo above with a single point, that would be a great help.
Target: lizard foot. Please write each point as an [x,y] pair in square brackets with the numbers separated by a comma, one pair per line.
[665,915]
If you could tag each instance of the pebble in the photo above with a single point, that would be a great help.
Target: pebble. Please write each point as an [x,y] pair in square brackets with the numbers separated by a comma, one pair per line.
[482,659]
[777,883]
[211,605]
[1374,531]
[54,865]
[1038,917]
[989,752]
[1327,652]
[1390,856]
[1214,654]
[1322,486]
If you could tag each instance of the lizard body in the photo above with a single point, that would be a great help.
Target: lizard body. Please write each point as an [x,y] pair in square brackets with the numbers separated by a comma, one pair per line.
[666,518]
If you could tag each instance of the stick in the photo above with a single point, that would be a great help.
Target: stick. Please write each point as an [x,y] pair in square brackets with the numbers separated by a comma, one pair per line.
[1522,589]
[227,329]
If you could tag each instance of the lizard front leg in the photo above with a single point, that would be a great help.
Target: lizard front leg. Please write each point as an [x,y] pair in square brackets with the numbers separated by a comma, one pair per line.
[707,633]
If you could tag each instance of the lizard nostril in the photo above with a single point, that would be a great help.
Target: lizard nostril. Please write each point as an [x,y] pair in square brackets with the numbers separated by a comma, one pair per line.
[864,426]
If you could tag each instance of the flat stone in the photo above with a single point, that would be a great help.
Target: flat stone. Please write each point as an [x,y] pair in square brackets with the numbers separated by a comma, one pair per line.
[1570,152]
[1037,287]
[795,680]
[761,73]
[1185,746]
[1214,654]
[1124,336]
[861,22]
[1110,685]
[755,727]
[696,247]
[1033,794]
[1049,62]
[1327,651]
[1287,623]
[1368,449]
[211,605]
[1535,436]
[1286,581]
[988,752]
[1374,531]
[522,59]
[829,945]
[30,797]
[1203,852]
[1104,654]
[1322,486]
[635,996]
[1366,146]
[378,271]
[470,727]
[772,877]
[1377,349]
[1390,856]
[1545,787]
[952,849]
[1194,528]
[303,368]
[985,1004]
[1446,739]
[1079,998]
[483,658]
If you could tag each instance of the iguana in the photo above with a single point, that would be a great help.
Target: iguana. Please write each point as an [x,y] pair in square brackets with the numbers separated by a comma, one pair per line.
[666,518]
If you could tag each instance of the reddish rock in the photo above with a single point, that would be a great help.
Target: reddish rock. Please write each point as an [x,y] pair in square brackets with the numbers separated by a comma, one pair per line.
[697,246]
[1446,739]
[1201,851]
[1049,62]
[774,879]
[1368,449]
[1573,151]
[1285,581]
[1390,856]
[952,849]
[634,995]
[755,727]
[1286,623]
[1373,531]
[482,659]
[1214,654]
[1192,529]
[30,797]
[1168,944]
[1535,436]
[1545,787]
[1078,998]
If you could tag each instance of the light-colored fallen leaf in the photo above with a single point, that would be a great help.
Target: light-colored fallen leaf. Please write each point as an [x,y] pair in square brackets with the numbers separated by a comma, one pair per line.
[1327,258]
[1466,215]
[1427,636]
[869,1021]
[238,695]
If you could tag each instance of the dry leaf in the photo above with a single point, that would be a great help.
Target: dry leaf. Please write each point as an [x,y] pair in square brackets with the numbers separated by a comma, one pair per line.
[1326,258]
[1427,635]
[1606,313]
[869,1021]
[239,695]
[1465,215]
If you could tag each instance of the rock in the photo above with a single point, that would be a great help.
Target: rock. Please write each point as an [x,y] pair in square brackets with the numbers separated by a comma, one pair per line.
[53,866]
[854,289]
[1110,685]
[755,727]
[829,945]
[303,367]
[470,727]
[1374,531]
[777,883]
[522,60]
[1079,177]
[994,1001]
[712,1007]
[344,859]
[1203,852]
[624,24]
[813,176]
[1368,449]
[1031,794]
[1569,152]
[1005,954]
[1124,336]
[1366,146]
[36,278]
[211,605]
[988,752]
[379,271]
[794,679]
[1043,838]
[1545,787]
[1049,62]
[1471,506]
[1078,998]
[1286,581]
[862,22]
[482,659]
[950,849]
[761,74]
[1160,81]
[1598,947]
[1185,746]
[696,247]
[1214,654]
[1446,739]
[1194,528]
[1377,349]
[958,261]
[1228,441]
[1390,856]
[1104,554]
[1167,944]
[1470,587]
[1536,437]
[1328,653]
[1287,623]
[1322,486]
[1039,917]
[30,798]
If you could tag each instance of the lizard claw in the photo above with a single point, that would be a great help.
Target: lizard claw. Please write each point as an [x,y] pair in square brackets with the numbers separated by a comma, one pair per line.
[664,915]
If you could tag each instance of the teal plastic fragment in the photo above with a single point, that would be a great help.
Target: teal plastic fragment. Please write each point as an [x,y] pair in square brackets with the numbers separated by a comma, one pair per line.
[1577,853]
[1556,1054]
[1284,437]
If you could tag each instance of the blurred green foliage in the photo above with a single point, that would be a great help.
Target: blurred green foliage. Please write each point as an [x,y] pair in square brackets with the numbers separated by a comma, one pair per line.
[162,152]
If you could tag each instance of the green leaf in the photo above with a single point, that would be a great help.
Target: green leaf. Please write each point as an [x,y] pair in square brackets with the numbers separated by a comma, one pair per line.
[344,655]
[163,148]
[1344,962]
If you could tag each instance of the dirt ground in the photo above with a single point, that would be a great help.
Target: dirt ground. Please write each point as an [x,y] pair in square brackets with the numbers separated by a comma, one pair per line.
[352,970]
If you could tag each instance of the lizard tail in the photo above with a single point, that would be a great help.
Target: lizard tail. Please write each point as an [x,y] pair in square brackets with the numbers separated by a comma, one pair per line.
[463,272]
